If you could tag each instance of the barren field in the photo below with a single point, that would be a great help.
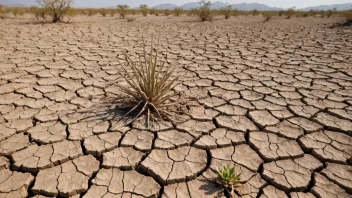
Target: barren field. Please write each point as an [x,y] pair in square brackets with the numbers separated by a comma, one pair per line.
[272,99]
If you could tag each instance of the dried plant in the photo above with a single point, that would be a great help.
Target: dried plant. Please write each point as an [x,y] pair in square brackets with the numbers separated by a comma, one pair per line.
[348,17]
[178,11]
[290,12]
[103,12]
[123,10]
[268,15]
[228,178]
[130,19]
[150,85]
[167,12]
[2,12]
[255,12]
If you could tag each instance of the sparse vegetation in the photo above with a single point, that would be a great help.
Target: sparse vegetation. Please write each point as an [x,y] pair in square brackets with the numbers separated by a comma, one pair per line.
[56,9]
[103,12]
[268,15]
[204,12]
[235,12]
[130,19]
[255,12]
[91,12]
[123,10]
[226,11]
[144,9]
[348,17]
[329,13]
[167,12]
[150,84]
[290,12]
[178,11]
[228,178]
[2,12]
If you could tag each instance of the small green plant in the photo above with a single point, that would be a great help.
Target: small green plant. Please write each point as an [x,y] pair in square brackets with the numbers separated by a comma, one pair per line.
[150,85]
[123,10]
[204,12]
[178,11]
[228,178]
[144,9]
[226,11]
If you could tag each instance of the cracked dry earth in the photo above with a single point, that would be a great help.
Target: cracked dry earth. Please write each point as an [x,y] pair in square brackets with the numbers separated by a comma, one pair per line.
[272,99]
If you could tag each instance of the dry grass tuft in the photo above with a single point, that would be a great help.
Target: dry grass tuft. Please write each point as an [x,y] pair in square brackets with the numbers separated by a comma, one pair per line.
[150,85]
[130,19]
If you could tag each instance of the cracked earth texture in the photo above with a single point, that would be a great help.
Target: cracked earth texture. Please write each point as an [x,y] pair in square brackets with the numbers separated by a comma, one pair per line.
[271,99]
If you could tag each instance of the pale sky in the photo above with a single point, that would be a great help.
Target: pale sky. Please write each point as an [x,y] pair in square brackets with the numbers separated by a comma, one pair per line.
[151,3]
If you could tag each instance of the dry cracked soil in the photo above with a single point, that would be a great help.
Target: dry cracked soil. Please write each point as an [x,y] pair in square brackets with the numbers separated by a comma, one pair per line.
[271,99]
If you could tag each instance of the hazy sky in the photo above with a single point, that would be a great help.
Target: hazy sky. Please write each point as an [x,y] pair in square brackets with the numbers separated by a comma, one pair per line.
[135,3]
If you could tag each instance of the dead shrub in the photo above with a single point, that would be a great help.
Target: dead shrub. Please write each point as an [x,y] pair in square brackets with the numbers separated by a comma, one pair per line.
[130,19]
[178,11]
[39,13]
[268,15]
[167,12]
[348,17]
[290,12]
[2,12]
[103,12]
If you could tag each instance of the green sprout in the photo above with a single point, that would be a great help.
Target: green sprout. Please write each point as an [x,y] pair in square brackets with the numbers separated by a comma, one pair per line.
[228,178]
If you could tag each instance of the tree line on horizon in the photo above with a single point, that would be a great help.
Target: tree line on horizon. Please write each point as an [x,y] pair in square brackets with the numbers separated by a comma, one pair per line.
[57,10]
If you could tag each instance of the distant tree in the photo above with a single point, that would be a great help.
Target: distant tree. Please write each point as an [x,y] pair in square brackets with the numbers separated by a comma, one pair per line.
[144,9]
[56,9]
[123,10]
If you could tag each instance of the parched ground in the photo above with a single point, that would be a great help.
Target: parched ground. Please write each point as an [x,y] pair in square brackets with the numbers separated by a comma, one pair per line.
[273,100]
